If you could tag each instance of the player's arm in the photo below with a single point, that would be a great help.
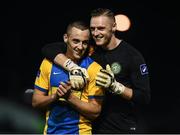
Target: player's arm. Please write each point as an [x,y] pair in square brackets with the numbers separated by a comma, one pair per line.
[41,100]
[56,53]
[139,93]
[127,94]
[140,80]
[50,51]
[90,109]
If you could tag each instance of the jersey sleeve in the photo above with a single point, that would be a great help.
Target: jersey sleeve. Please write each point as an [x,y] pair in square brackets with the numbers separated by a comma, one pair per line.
[51,50]
[140,80]
[94,91]
[42,77]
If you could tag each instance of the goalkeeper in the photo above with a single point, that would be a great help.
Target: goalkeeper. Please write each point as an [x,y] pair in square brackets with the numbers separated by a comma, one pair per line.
[71,105]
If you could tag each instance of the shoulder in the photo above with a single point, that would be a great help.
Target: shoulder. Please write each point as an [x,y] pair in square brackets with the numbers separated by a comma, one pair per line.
[95,65]
[94,68]
[90,64]
[87,61]
[131,50]
[46,64]
[136,59]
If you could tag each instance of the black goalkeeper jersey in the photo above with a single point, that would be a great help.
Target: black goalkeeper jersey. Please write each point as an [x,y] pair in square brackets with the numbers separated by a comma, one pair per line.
[118,115]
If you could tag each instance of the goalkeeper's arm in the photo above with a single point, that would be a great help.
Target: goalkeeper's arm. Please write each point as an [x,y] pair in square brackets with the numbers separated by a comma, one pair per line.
[56,53]
[50,51]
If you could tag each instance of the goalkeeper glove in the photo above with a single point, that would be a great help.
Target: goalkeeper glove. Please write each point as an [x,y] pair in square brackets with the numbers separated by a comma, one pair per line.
[106,79]
[78,76]
[77,79]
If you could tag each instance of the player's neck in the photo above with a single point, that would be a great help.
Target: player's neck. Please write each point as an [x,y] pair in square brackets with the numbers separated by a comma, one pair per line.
[112,44]
[72,58]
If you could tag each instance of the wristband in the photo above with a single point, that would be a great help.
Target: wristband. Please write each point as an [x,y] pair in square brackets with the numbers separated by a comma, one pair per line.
[117,88]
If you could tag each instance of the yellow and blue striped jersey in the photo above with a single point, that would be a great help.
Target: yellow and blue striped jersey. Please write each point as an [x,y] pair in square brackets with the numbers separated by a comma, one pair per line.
[61,118]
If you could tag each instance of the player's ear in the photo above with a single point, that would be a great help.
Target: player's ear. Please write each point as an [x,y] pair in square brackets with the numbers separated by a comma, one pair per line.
[65,37]
[114,28]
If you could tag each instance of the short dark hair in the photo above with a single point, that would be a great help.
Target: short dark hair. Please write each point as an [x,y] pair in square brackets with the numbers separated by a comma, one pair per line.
[103,12]
[78,24]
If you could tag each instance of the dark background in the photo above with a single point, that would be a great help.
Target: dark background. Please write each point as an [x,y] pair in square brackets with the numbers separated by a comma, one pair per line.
[26,26]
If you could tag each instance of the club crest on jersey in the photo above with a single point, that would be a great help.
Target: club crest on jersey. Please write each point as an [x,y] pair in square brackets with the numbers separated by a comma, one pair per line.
[116,67]
[143,69]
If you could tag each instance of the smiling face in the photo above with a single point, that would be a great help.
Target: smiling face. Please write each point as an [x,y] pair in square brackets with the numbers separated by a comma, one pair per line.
[77,41]
[101,29]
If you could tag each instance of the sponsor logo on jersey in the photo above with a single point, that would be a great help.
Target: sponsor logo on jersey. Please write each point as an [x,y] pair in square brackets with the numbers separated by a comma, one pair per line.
[143,69]
[56,73]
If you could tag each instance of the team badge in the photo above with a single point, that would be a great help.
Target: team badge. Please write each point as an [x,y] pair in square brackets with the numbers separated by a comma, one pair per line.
[143,69]
[116,67]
